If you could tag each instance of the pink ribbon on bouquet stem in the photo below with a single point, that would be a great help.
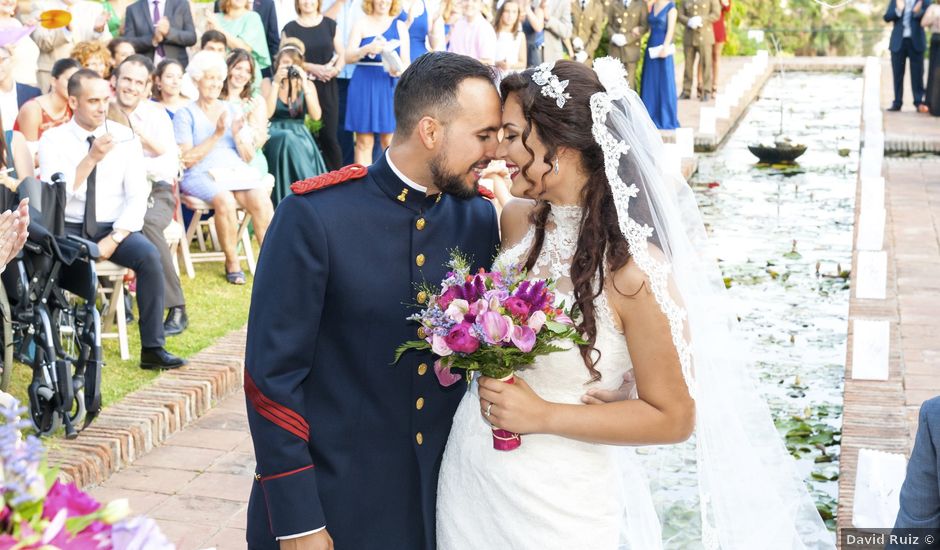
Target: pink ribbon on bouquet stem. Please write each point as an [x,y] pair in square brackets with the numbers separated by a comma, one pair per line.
[504,440]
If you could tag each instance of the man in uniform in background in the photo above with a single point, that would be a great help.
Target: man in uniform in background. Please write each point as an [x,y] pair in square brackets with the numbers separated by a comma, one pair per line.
[697,17]
[628,22]
[588,18]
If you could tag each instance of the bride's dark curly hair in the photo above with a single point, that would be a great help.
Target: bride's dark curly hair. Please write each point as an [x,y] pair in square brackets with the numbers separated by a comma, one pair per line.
[600,240]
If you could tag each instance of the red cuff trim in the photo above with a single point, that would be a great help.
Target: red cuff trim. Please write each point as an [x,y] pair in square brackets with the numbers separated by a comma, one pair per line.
[285,474]
[276,413]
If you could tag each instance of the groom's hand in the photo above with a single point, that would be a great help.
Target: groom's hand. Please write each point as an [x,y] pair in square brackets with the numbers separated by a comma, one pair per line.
[320,540]
[597,397]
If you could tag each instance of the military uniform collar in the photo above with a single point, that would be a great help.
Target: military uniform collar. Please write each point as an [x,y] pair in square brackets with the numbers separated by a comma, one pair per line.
[399,188]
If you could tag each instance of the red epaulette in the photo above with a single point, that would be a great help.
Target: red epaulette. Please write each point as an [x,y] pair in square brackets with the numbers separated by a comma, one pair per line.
[329,179]
[485,193]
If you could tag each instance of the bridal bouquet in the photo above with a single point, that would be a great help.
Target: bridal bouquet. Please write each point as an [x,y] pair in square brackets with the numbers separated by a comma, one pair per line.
[492,322]
[37,511]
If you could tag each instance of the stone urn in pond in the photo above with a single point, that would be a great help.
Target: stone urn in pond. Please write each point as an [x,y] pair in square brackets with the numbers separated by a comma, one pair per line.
[782,151]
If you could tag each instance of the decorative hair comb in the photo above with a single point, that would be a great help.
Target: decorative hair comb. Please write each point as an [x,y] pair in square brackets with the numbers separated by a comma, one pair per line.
[551,86]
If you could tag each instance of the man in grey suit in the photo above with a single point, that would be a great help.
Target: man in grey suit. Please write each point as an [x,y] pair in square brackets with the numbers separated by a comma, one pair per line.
[161,27]
[558,29]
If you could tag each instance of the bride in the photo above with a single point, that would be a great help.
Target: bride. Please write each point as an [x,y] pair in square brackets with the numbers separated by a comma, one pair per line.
[621,235]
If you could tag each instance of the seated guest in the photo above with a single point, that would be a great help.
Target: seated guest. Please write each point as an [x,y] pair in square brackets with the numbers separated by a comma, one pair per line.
[160,29]
[920,493]
[106,199]
[238,90]
[291,151]
[154,128]
[94,56]
[213,41]
[167,81]
[48,110]
[120,49]
[12,94]
[243,29]
[89,23]
[217,156]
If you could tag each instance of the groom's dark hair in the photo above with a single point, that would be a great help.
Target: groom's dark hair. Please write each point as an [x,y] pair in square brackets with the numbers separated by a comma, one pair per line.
[429,87]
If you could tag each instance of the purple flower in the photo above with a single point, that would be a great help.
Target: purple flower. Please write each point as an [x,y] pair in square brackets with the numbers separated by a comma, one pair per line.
[69,497]
[517,307]
[139,533]
[460,340]
[523,337]
[444,374]
[449,295]
[496,327]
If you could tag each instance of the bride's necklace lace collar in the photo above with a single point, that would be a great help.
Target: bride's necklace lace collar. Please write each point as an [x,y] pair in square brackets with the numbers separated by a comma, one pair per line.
[561,240]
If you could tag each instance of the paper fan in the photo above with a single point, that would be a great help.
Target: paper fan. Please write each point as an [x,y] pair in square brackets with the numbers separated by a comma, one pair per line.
[55,19]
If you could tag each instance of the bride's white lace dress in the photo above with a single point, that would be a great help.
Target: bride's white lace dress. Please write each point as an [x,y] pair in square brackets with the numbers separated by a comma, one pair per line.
[552,492]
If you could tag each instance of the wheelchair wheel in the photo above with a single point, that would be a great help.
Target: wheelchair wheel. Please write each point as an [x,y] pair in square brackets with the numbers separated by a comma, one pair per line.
[43,397]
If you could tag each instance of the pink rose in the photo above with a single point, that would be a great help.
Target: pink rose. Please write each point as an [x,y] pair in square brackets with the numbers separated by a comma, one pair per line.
[461,340]
[439,346]
[448,296]
[517,307]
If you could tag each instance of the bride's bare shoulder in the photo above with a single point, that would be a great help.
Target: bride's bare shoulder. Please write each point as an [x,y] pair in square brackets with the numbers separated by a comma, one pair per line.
[514,221]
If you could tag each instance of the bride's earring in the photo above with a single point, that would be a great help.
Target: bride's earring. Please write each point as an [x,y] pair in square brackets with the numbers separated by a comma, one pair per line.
[556,166]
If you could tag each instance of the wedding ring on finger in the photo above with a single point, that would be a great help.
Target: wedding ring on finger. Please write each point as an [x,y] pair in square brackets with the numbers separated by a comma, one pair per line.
[488,409]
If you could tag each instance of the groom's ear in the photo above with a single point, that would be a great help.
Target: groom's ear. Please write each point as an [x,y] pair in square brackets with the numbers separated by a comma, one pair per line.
[430,132]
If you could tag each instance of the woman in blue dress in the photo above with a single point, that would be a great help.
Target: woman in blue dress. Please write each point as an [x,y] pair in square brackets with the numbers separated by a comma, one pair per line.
[658,85]
[419,29]
[370,101]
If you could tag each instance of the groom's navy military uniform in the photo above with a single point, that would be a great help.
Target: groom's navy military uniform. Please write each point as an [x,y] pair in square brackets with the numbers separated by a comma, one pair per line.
[343,438]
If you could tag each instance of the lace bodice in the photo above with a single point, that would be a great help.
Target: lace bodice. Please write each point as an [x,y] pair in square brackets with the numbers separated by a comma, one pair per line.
[554,261]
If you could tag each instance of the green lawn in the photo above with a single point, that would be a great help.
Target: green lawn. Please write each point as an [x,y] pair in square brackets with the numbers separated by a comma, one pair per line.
[215,308]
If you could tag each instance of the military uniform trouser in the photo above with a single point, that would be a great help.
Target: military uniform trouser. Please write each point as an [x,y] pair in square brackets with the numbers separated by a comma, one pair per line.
[704,52]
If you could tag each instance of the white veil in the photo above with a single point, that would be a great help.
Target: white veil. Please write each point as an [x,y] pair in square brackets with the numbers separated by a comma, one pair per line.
[733,485]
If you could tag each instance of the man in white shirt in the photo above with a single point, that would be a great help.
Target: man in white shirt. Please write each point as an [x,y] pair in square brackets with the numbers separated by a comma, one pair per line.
[154,128]
[106,184]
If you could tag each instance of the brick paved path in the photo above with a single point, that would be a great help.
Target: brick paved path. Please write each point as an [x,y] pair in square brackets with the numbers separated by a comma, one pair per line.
[196,484]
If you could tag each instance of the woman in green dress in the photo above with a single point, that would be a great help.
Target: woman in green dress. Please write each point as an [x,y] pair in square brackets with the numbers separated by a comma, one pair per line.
[243,29]
[291,151]
[237,90]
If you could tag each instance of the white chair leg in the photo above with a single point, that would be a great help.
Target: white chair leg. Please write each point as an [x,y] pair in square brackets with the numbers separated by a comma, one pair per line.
[117,300]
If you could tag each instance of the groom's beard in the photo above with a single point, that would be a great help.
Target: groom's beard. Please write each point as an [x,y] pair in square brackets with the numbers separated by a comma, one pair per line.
[452,184]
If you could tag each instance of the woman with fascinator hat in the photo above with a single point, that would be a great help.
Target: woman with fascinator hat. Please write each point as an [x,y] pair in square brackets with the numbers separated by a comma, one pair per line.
[621,234]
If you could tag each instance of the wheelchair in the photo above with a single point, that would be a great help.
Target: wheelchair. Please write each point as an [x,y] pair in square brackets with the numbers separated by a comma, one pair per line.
[50,321]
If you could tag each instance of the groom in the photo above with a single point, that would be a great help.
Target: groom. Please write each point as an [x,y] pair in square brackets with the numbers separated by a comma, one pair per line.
[349,446]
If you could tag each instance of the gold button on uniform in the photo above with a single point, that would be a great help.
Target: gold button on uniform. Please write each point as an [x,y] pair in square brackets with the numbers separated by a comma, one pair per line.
[422,297]
[419,404]
[421,333]
[422,369]
[419,437]
[420,224]
[419,260]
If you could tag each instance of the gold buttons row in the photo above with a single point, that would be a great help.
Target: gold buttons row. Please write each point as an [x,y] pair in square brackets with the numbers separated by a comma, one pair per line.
[419,437]
[422,297]
[419,225]
[419,404]
[422,369]
[419,260]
